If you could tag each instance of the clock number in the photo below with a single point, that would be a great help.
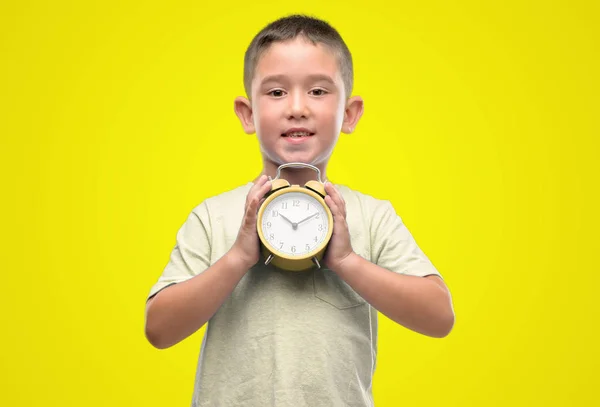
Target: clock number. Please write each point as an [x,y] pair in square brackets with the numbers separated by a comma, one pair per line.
[293,249]
[271,236]
[317,216]
[296,202]
[316,239]
[307,206]
[320,227]
[275,213]
[307,247]
[284,205]
[268,224]
[281,245]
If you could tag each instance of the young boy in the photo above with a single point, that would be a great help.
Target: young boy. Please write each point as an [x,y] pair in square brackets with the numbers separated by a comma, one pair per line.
[279,338]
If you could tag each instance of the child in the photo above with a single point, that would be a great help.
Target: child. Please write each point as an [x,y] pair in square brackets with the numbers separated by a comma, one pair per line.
[279,338]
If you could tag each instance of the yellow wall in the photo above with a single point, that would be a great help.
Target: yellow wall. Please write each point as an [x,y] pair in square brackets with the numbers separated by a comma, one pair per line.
[480,126]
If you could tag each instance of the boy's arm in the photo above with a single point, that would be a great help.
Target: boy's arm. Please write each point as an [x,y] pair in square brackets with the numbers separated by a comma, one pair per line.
[178,310]
[422,304]
[401,283]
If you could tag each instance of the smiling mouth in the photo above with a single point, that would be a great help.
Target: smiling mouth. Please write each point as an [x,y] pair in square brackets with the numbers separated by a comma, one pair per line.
[298,134]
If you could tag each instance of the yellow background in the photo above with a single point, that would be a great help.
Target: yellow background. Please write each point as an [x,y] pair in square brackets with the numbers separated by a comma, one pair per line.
[480,126]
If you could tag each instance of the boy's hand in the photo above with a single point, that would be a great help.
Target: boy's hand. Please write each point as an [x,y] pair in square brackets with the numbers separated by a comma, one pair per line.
[339,246]
[247,245]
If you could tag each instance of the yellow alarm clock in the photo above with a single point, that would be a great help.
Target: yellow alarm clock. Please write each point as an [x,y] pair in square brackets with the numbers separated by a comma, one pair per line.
[294,223]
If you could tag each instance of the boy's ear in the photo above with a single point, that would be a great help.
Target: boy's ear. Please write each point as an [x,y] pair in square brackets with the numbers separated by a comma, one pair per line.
[352,114]
[243,110]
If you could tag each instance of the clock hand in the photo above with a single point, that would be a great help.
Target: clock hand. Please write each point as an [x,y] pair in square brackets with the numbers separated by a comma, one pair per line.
[294,225]
[305,219]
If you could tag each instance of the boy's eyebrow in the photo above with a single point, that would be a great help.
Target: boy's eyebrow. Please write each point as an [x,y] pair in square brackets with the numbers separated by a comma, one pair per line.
[312,78]
[321,77]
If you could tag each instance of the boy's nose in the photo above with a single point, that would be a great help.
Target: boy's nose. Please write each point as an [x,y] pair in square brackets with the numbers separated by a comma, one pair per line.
[298,106]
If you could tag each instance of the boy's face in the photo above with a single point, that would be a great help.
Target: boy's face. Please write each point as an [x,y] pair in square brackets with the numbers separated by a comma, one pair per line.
[298,104]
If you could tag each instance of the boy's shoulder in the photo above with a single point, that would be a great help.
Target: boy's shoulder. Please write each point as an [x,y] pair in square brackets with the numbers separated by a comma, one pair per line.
[362,206]
[365,200]
[224,201]
[234,194]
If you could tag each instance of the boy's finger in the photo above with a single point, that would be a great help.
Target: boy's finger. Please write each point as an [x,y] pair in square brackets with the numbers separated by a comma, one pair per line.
[248,221]
[266,188]
[336,197]
[259,189]
[259,197]
[335,209]
[259,184]
[332,191]
[262,187]
[259,204]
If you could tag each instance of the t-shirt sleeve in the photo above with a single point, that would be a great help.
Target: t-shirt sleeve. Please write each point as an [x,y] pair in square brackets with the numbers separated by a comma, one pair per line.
[191,254]
[393,246]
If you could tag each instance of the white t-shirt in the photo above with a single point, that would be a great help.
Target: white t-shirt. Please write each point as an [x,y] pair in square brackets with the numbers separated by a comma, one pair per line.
[290,338]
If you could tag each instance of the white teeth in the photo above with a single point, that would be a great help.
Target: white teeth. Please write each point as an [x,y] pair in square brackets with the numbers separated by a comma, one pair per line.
[298,134]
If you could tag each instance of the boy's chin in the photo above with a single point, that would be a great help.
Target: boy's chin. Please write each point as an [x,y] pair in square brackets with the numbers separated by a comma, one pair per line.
[310,158]
[298,157]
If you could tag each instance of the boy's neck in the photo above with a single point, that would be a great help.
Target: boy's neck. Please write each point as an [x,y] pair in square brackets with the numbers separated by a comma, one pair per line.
[295,176]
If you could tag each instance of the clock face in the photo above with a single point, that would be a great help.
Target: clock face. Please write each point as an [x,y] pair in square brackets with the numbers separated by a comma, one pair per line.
[295,224]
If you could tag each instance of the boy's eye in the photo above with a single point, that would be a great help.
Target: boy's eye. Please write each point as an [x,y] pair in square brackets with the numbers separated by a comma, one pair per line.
[276,93]
[318,92]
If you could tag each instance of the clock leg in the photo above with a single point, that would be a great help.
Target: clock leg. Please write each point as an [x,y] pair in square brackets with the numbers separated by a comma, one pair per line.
[268,259]
[314,260]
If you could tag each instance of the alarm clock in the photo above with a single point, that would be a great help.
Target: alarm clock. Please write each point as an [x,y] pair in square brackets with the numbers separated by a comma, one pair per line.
[294,223]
